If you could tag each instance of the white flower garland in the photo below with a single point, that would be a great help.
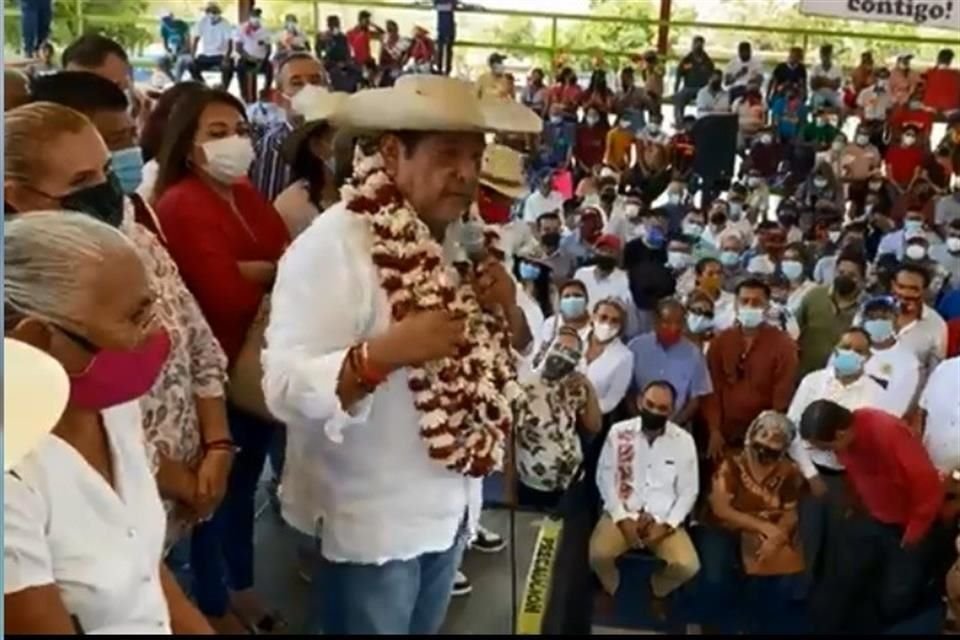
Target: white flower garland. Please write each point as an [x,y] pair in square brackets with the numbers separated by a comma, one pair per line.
[465,401]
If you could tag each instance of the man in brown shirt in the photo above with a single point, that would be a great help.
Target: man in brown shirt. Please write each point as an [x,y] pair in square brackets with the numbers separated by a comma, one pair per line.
[753,366]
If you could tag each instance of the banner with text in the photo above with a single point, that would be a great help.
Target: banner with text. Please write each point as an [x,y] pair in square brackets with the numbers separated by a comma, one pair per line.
[944,14]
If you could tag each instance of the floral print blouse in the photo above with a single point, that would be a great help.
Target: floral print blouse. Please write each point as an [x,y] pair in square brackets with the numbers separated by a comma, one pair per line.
[195,368]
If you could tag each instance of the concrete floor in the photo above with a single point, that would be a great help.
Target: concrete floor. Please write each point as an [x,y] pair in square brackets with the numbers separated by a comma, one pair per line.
[485,611]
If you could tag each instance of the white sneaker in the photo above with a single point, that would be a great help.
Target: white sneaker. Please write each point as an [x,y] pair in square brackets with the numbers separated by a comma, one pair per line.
[461,585]
[487,541]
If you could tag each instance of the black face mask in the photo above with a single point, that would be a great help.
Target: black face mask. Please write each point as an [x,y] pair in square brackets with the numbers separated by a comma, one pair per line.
[103,201]
[551,240]
[766,455]
[559,365]
[715,84]
[605,263]
[788,221]
[718,219]
[652,422]
[845,285]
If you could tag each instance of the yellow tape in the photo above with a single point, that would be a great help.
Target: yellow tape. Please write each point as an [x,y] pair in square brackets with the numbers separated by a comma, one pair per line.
[536,591]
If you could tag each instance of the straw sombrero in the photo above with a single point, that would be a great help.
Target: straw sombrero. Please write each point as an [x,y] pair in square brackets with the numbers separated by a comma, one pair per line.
[421,102]
[502,171]
[35,392]
[316,106]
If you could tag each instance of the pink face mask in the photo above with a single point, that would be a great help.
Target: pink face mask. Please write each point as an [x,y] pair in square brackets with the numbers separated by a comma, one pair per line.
[115,377]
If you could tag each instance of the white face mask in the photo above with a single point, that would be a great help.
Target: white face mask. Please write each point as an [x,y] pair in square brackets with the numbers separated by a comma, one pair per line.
[838,145]
[834,236]
[916,252]
[592,119]
[953,244]
[228,159]
[753,182]
[819,183]
[605,332]
[736,208]
[673,197]
[766,138]
[678,260]
[497,68]
[863,140]
[632,211]
[653,128]
[909,141]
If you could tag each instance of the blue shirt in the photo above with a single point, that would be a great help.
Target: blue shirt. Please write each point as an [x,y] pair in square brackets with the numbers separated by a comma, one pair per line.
[446,24]
[949,306]
[558,141]
[682,365]
[269,172]
[786,128]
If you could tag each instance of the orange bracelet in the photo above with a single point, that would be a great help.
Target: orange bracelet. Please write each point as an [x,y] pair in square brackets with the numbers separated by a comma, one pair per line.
[369,374]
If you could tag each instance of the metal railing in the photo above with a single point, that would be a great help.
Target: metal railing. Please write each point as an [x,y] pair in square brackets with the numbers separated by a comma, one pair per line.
[553,48]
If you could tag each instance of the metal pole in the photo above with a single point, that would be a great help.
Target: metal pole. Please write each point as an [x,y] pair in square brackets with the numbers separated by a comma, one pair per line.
[79,5]
[553,43]
[316,20]
[663,32]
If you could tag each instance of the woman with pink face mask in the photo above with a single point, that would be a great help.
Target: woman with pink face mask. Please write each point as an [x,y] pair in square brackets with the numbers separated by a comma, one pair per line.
[83,521]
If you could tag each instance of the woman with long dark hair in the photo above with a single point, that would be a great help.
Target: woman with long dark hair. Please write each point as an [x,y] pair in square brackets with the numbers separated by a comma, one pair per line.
[598,95]
[226,240]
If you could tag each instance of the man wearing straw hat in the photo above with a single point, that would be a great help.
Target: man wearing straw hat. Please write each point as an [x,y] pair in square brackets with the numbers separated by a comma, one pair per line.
[393,370]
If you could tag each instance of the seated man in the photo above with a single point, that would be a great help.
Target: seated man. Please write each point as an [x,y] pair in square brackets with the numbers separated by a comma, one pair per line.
[555,403]
[648,479]
[755,493]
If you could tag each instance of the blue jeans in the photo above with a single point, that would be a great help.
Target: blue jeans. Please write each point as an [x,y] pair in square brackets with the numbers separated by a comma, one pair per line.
[35,16]
[398,598]
[221,551]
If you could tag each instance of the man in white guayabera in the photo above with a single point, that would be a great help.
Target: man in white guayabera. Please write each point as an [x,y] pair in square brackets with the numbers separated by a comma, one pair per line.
[390,358]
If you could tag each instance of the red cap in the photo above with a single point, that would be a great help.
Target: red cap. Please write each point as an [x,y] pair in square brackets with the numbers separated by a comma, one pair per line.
[608,241]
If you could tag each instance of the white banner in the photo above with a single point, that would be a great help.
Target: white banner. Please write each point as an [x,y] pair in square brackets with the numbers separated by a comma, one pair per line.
[944,14]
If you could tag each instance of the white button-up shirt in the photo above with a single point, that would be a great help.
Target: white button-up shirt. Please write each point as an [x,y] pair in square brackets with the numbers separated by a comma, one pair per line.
[64,525]
[610,374]
[255,40]
[898,368]
[363,471]
[537,204]
[927,338]
[660,479]
[941,435]
[824,385]
[215,38]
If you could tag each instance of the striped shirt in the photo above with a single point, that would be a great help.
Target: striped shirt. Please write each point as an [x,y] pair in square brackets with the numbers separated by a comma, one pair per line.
[270,173]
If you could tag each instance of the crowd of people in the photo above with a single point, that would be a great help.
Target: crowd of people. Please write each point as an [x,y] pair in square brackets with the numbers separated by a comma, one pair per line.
[393,293]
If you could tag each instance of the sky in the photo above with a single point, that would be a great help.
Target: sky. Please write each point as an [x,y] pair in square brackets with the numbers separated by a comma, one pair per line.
[706,11]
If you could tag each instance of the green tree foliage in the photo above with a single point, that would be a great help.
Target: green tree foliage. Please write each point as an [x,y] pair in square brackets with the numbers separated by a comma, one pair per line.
[121,22]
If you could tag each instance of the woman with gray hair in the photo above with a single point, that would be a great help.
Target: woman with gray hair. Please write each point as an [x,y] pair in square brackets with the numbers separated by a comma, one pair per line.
[755,495]
[83,521]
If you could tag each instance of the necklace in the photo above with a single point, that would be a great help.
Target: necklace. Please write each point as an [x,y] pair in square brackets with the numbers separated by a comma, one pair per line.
[464,402]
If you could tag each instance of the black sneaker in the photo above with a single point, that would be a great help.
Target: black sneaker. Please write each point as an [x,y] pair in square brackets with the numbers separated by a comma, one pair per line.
[461,585]
[487,541]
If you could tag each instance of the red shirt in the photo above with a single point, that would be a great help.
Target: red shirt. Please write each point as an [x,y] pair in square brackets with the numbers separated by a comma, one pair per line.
[207,239]
[590,145]
[903,115]
[942,89]
[892,474]
[953,338]
[494,208]
[359,39]
[902,163]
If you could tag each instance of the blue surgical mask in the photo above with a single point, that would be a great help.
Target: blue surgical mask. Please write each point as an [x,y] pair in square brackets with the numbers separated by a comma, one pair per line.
[573,307]
[847,362]
[880,330]
[692,229]
[698,324]
[556,119]
[729,258]
[655,238]
[750,317]
[529,272]
[128,167]
[792,269]
[913,225]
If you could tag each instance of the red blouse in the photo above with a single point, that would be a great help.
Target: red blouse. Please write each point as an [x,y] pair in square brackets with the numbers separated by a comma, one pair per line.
[207,239]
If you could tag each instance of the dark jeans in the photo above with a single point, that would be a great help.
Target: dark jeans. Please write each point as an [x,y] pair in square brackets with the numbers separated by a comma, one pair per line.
[760,604]
[35,24]
[444,56]
[207,63]
[821,524]
[247,72]
[221,551]
[876,582]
